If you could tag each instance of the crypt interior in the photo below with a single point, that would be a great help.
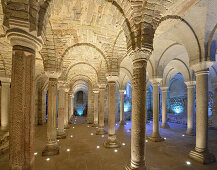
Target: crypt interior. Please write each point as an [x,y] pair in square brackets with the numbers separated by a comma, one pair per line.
[108,84]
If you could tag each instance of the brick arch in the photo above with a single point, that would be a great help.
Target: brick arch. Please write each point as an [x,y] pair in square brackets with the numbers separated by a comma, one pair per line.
[176,17]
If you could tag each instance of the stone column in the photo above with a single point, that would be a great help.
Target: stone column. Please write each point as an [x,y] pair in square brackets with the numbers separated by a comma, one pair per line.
[42,106]
[112,141]
[190,87]
[155,137]
[101,128]
[90,116]
[70,108]
[122,121]
[21,117]
[5,102]
[200,152]
[73,105]
[61,113]
[66,117]
[52,148]
[96,104]
[138,127]
[164,108]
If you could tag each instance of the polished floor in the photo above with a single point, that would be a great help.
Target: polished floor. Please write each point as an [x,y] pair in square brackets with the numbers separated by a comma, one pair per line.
[83,150]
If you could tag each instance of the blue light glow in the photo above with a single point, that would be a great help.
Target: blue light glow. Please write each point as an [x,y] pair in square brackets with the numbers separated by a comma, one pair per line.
[127,106]
[80,109]
[177,109]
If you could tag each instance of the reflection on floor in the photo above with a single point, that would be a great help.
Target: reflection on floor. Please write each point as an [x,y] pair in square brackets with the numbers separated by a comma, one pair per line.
[83,150]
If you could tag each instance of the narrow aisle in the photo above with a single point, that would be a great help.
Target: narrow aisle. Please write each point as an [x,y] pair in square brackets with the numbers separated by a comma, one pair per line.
[83,150]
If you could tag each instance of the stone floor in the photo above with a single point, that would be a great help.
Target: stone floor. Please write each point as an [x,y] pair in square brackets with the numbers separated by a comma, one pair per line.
[84,154]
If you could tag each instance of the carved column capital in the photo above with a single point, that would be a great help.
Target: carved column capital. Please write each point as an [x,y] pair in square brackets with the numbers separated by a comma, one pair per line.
[111,78]
[140,54]
[164,88]
[190,84]
[122,91]
[156,81]
[53,74]
[96,91]
[20,37]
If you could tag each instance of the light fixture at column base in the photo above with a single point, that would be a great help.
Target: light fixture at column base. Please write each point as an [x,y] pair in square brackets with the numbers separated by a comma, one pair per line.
[66,126]
[165,126]
[129,167]
[190,132]
[155,139]
[101,131]
[122,122]
[203,157]
[112,142]
[61,135]
[51,149]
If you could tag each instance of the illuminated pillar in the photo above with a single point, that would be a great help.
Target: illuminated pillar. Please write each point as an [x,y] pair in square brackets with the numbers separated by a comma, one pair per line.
[190,87]
[138,129]
[122,121]
[5,102]
[101,129]
[90,116]
[70,108]
[21,117]
[66,116]
[52,147]
[200,152]
[111,141]
[164,108]
[155,137]
[61,113]
[42,106]
[73,105]
[96,104]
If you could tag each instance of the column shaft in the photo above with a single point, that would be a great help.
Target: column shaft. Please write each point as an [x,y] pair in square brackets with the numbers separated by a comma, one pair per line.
[138,127]
[101,130]
[201,153]
[122,121]
[41,107]
[164,109]
[52,148]
[90,116]
[21,153]
[66,117]
[155,134]
[112,141]
[96,111]
[5,102]
[190,113]
[70,108]
[61,114]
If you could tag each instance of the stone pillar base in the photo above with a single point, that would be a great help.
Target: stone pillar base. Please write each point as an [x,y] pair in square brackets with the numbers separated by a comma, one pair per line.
[89,120]
[155,139]
[101,131]
[5,128]
[112,142]
[138,167]
[122,122]
[66,126]
[165,126]
[190,132]
[51,149]
[203,157]
[94,125]
[61,135]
